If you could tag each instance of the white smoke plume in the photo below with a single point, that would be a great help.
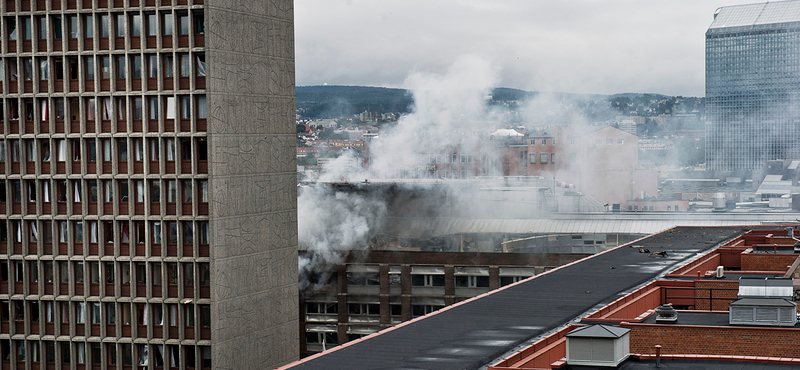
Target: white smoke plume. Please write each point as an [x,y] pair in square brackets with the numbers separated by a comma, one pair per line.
[449,110]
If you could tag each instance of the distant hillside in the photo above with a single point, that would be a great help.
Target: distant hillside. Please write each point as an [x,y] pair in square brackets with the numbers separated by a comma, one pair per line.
[337,101]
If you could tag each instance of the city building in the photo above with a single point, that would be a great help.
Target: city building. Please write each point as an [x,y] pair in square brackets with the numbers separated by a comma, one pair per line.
[148,211]
[367,293]
[701,297]
[752,70]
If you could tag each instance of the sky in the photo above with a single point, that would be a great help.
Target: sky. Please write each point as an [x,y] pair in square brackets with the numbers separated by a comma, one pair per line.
[577,46]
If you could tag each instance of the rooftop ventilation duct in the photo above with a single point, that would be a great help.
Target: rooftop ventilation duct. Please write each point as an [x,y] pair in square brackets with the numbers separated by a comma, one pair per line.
[665,314]
[765,288]
[598,345]
[763,312]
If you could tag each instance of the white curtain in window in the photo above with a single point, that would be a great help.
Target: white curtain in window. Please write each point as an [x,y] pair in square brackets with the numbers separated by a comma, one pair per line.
[143,360]
[46,190]
[34,231]
[170,149]
[170,107]
[201,66]
[43,69]
[121,108]
[81,352]
[140,191]
[62,232]
[18,236]
[93,231]
[125,238]
[49,314]
[145,314]
[107,108]
[80,314]
[77,191]
[44,109]
[172,356]
[62,150]
[106,150]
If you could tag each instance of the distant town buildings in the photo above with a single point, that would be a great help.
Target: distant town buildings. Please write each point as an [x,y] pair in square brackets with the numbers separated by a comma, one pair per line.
[752,74]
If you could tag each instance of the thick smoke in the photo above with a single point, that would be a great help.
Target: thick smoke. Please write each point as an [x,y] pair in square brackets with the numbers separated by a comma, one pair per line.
[450,110]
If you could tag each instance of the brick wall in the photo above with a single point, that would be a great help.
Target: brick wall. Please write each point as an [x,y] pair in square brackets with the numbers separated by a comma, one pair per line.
[766,261]
[714,295]
[734,341]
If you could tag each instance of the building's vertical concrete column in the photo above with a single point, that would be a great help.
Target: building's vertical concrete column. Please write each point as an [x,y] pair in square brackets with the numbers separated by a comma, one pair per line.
[449,285]
[405,289]
[384,295]
[341,301]
[301,308]
[494,277]
[252,178]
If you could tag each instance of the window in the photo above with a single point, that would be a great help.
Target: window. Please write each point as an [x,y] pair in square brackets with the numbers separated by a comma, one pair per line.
[105,67]
[73,26]
[136,62]
[120,66]
[183,24]
[104,25]
[542,157]
[166,24]
[619,141]
[552,158]
[199,23]
[188,274]
[57,33]
[153,108]
[120,25]
[201,107]
[88,24]
[151,25]
[90,68]
[167,65]
[26,29]
[136,23]
[152,66]
[427,280]
[185,69]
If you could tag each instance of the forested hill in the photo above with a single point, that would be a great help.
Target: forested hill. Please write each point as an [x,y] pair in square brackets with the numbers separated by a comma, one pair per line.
[338,101]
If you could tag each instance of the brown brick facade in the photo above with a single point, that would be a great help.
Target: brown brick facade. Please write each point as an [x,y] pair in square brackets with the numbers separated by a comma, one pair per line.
[714,295]
[767,261]
[699,340]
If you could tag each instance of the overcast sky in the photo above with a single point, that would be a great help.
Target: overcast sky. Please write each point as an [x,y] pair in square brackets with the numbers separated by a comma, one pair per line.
[581,46]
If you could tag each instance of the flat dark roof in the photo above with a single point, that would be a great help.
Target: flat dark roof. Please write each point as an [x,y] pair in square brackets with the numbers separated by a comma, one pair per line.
[474,333]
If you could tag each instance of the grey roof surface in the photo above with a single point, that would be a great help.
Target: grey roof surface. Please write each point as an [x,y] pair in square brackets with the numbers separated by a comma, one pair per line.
[773,302]
[426,227]
[476,332]
[696,318]
[757,14]
[598,331]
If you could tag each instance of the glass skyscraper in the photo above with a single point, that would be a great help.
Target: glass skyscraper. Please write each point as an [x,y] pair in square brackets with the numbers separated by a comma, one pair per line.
[752,82]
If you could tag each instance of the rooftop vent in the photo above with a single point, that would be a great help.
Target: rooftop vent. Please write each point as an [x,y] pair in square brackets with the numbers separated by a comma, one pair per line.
[765,288]
[598,345]
[666,314]
[763,312]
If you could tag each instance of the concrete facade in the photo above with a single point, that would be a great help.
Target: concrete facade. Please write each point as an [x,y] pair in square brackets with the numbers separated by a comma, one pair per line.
[147,165]
[254,209]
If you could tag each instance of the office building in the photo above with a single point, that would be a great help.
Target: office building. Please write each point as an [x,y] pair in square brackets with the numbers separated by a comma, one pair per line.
[729,295]
[752,74]
[148,213]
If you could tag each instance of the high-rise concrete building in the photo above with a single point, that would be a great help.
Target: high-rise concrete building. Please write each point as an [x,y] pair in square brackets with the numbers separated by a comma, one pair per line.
[752,79]
[148,211]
